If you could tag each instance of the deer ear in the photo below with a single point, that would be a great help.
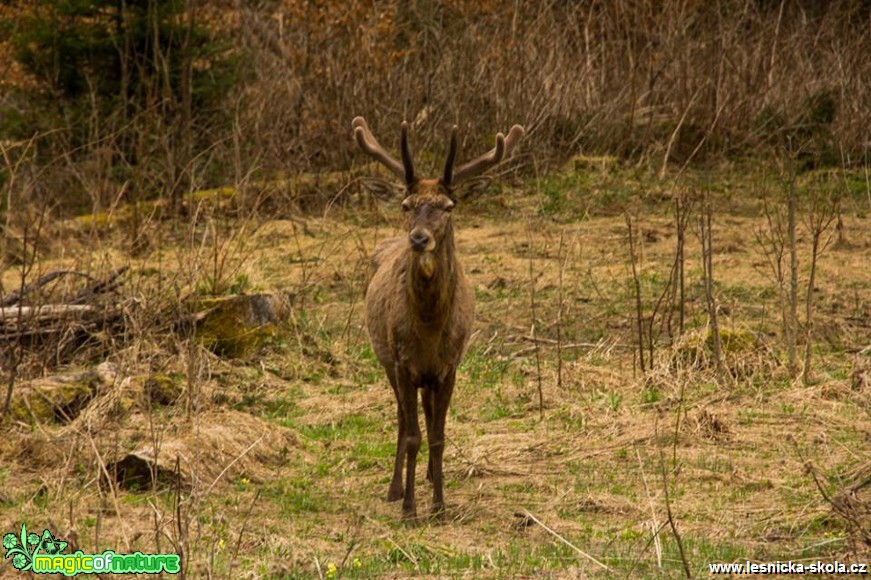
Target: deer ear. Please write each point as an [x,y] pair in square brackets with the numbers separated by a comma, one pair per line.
[382,189]
[472,188]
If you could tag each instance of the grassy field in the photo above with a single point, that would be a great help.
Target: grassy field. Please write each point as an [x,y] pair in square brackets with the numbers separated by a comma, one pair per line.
[564,459]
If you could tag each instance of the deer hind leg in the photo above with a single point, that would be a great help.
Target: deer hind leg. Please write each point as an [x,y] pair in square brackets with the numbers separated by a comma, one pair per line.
[441,401]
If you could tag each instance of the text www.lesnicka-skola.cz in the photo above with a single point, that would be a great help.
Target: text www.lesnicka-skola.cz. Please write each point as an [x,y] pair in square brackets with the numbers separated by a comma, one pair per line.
[789,567]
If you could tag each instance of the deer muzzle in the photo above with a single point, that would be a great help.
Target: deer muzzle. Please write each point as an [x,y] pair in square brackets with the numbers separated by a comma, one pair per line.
[421,240]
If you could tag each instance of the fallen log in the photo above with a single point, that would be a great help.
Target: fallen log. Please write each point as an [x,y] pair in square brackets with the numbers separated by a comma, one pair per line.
[45,311]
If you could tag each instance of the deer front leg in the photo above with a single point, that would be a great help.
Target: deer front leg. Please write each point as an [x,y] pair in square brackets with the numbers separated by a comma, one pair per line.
[441,401]
[427,398]
[394,493]
[412,446]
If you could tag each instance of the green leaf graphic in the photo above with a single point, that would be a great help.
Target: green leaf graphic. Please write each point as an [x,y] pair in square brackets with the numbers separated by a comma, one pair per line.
[22,559]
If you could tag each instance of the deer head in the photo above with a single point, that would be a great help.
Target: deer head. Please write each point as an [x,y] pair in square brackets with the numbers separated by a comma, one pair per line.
[428,202]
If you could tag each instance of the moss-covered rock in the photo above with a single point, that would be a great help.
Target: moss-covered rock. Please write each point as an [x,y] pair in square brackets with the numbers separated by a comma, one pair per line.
[236,326]
[55,399]
[734,341]
[160,389]
[743,351]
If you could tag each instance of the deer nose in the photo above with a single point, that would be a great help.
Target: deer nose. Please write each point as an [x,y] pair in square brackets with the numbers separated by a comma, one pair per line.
[419,240]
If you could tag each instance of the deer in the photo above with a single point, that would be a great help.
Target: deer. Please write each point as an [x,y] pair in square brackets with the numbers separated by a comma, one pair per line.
[420,307]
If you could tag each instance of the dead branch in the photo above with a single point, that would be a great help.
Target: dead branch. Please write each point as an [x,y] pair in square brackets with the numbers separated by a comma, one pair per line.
[110,283]
[46,311]
[17,295]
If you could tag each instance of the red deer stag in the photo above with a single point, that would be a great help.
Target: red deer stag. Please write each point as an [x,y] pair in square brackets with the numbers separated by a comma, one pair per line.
[419,305]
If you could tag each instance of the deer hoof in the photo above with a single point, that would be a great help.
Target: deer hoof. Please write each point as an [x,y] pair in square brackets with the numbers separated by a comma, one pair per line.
[437,511]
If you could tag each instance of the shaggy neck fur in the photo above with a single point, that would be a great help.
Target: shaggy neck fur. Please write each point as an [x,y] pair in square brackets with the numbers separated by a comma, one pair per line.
[430,286]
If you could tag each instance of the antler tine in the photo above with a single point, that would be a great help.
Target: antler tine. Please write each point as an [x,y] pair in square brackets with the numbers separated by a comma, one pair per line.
[370,146]
[513,138]
[491,158]
[482,163]
[406,154]
[448,176]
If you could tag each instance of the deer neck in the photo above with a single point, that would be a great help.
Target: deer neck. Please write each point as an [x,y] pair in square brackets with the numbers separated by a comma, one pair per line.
[432,282]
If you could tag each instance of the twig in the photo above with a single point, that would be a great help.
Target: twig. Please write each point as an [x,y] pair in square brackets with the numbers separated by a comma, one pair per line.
[819,222]
[109,482]
[15,296]
[671,524]
[110,283]
[791,210]
[318,568]
[158,526]
[532,330]
[352,544]
[229,465]
[245,522]
[706,239]
[410,558]
[182,524]
[676,131]
[559,316]
[565,541]
[639,311]
[656,541]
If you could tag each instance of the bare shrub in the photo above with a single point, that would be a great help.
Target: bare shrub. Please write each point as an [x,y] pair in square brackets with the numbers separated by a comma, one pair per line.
[632,77]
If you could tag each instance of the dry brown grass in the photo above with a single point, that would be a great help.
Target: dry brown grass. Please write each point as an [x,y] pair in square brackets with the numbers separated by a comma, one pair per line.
[278,464]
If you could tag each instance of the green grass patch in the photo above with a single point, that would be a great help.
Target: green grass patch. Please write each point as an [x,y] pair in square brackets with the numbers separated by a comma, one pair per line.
[349,427]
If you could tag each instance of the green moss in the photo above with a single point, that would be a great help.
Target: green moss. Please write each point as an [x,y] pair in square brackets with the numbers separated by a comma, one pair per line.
[209,194]
[734,341]
[54,400]
[237,326]
[603,163]
[161,389]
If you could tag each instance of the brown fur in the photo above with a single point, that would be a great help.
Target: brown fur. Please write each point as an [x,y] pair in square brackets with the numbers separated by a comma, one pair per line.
[420,308]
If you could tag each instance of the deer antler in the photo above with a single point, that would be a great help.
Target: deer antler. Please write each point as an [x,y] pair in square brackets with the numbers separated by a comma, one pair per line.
[479,165]
[371,147]
[448,176]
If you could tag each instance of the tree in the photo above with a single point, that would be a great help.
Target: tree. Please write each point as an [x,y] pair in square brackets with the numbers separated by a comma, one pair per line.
[121,70]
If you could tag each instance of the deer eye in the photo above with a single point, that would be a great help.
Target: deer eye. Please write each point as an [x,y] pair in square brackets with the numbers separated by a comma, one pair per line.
[406,204]
[449,206]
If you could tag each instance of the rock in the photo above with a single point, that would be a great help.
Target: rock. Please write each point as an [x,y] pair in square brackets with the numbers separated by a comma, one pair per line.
[55,399]
[236,326]
[160,389]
